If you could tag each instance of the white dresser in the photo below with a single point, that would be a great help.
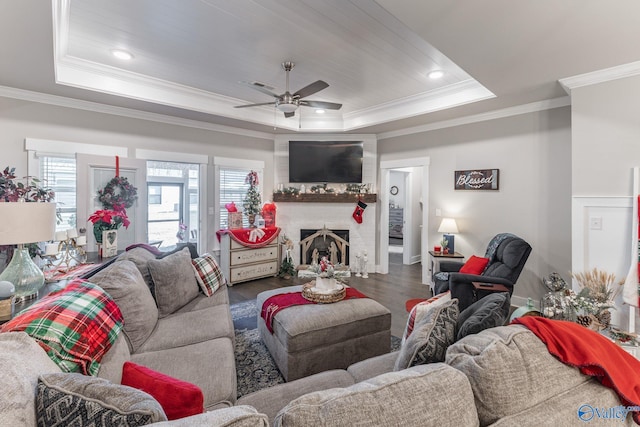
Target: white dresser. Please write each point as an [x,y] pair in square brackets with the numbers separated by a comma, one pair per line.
[240,263]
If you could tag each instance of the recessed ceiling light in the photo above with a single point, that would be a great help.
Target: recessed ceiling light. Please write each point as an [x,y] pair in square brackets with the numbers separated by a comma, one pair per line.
[319,111]
[121,54]
[436,74]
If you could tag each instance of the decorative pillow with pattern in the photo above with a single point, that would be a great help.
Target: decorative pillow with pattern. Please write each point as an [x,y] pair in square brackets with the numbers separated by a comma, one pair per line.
[75,326]
[75,399]
[488,312]
[433,334]
[422,309]
[208,274]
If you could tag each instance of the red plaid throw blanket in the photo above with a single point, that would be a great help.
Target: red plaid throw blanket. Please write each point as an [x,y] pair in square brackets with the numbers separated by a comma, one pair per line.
[76,326]
[272,305]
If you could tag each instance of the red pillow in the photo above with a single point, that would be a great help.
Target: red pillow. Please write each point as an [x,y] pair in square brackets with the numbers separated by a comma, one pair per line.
[178,398]
[474,265]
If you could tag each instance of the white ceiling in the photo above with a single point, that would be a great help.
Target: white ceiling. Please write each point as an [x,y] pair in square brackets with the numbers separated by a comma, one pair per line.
[191,57]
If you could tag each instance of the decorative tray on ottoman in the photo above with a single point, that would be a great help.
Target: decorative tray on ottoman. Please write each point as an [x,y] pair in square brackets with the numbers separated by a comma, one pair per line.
[311,293]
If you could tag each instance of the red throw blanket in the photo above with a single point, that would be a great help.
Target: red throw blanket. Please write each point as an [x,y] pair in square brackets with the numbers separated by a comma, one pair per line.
[274,304]
[592,353]
[243,236]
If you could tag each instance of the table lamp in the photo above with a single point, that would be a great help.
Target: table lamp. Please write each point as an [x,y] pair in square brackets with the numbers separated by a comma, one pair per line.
[448,226]
[22,223]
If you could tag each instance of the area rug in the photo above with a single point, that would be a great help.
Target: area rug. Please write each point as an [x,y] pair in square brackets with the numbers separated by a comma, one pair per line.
[255,367]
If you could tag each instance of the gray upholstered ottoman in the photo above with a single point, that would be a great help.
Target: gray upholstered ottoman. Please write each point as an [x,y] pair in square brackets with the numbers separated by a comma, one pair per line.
[312,338]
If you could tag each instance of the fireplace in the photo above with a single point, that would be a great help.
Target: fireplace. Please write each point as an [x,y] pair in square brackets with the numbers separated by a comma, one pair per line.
[315,244]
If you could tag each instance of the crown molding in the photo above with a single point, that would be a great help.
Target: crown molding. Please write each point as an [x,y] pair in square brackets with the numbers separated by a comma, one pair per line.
[491,115]
[600,76]
[61,101]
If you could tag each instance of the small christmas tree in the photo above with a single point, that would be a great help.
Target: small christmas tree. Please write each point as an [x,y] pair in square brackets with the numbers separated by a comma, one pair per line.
[287,269]
[252,202]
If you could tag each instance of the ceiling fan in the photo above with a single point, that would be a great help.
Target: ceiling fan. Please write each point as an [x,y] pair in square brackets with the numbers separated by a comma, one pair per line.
[288,103]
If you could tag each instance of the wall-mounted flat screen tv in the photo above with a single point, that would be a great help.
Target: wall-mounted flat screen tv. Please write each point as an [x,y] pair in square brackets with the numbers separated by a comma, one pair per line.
[325,161]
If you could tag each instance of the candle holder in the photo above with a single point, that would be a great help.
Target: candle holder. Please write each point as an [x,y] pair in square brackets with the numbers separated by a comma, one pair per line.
[67,251]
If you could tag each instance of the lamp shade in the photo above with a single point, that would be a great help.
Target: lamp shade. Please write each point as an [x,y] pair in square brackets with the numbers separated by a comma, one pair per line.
[448,225]
[26,222]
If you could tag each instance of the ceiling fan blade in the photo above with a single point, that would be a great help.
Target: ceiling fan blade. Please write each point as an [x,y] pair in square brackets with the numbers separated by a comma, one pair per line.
[254,105]
[322,104]
[314,87]
[260,89]
[291,114]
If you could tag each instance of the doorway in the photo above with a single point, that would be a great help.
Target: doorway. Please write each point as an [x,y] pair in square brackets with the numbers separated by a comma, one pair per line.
[412,174]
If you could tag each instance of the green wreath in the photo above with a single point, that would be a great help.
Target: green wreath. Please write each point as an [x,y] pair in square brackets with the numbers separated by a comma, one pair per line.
[118,193]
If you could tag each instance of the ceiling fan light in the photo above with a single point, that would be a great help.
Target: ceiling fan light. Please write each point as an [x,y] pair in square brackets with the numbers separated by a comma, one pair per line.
[287,108]
[319,111]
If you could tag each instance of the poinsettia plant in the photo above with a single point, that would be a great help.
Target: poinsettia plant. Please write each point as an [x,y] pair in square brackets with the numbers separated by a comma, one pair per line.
[108,219]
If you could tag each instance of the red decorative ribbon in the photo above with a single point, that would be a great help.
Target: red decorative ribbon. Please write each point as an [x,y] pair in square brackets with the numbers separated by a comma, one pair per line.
[117,165]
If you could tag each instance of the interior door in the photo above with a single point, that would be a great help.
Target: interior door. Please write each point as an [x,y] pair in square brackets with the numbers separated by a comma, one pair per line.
[93,173]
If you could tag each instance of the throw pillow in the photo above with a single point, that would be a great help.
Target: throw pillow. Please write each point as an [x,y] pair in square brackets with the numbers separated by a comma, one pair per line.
[474,265]
[76,326]
[22,361]
[174,281]
[488,312]
[193,251]
[178,398]
[433,334]
[126,286]
[421,309]
[208,274]
[75,399]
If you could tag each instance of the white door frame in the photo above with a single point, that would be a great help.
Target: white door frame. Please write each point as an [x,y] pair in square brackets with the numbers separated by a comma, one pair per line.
[383,229]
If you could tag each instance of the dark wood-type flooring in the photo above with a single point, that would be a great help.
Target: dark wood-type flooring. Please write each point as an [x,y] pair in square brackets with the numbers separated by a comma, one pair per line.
[391,290]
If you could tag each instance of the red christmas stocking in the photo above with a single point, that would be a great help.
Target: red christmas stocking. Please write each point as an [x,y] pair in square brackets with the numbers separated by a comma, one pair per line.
[357,214]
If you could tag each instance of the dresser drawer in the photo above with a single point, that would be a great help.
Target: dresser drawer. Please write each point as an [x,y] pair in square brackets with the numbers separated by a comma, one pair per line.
[248,256]
[249,272]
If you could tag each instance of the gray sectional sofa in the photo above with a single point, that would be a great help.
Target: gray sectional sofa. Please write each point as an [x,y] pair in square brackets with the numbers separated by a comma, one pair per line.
[502,376]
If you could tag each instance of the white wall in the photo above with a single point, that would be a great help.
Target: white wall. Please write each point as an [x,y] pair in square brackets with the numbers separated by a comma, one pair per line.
[23,119]
[396,178]
[605,149]
[533,153]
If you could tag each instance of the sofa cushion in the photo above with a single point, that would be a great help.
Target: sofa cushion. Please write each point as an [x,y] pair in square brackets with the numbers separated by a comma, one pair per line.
[422,309]
[271,400]
[237,416]
[209,364]
[22,361]
[433,334]
[123,281]
[75,399]
[178,398]
[170,331]
[517,366]
[174,281]
[112,362]
[488,312]
[412,397]
[208,274]
[474,265]
[140,257]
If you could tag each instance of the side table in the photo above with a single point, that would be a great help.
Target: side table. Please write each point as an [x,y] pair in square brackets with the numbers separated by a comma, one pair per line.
[434,263]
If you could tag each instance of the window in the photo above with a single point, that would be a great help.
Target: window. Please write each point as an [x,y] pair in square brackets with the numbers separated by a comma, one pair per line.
[59,174]
[155,194]
[232,189]
[173,194]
